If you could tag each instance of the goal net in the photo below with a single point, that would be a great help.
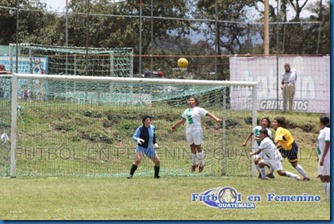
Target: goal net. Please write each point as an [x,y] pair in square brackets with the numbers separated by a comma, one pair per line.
[43,59]
[83,125]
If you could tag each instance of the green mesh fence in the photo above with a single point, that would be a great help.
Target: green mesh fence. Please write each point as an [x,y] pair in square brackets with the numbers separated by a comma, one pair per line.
[5,125]
[40,59]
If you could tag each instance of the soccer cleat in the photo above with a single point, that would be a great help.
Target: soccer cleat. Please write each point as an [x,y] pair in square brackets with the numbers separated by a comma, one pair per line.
[156,177]
[200,169]
[306,179]
[298,178]
[193,168]
[260,176]
[130,177]
[271,175]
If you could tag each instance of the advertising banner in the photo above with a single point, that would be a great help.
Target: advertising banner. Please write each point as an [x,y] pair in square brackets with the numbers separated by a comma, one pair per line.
[28,89]
[312,86]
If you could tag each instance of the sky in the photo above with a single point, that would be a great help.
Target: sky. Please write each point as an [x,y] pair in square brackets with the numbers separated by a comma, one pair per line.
[59,5]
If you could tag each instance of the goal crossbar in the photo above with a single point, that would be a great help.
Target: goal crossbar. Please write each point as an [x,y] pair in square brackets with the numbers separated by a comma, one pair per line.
[135,80]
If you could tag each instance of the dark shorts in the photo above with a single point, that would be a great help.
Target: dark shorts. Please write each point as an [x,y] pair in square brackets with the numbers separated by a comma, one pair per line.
[291,155]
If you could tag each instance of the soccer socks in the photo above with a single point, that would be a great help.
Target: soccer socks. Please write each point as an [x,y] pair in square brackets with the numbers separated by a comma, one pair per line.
[133,169]
[201,158]
[263,173]
[271,170]
[324,186]
[327,189]
[292,175]
[258,168]
[193,158]
[300,169]
[156,171]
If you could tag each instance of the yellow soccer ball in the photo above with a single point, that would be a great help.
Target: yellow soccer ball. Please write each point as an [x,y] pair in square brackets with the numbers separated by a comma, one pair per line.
[182,63]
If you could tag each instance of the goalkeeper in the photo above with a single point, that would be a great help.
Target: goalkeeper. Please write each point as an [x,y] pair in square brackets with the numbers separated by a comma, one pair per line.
[146,145]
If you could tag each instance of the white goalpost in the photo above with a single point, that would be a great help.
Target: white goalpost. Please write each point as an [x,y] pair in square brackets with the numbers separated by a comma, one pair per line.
[82,125]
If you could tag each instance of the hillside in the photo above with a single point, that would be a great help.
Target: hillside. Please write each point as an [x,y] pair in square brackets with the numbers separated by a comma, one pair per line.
[86,136]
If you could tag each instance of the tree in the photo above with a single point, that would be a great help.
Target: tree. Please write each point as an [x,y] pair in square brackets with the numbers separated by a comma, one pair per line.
[319,33]
[226,28]
[230,32]
[294,31]
[36,25]
[174,28]
[8,22]
[117,24]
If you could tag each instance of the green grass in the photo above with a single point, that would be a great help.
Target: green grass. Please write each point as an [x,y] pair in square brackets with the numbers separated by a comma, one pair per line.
[144,198]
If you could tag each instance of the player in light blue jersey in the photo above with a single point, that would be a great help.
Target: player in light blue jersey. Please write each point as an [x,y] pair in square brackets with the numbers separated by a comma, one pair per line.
[146,145]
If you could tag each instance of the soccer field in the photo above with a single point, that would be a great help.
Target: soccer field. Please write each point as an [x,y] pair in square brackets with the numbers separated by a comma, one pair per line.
[49,194]
[145,198]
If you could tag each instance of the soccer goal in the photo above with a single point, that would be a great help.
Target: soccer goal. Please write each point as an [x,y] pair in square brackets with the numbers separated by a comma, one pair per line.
[44,59]
[83,125]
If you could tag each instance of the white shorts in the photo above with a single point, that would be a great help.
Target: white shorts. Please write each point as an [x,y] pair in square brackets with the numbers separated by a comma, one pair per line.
[324,170]
[275,164]
[194,136]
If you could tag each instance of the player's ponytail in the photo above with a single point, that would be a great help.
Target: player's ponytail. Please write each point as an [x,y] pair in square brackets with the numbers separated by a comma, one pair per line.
[281,121]
[325,121]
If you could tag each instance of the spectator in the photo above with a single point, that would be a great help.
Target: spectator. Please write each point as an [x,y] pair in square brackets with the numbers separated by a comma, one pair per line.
[3,69]
[289,78]
[4,82]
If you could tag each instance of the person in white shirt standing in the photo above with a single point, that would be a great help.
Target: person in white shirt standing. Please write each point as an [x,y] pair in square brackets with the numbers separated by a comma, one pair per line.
[289,78]
[194,133]
[271,157]
[323,151]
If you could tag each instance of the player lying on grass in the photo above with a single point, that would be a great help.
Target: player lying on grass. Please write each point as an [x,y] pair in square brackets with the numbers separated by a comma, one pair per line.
[271,157]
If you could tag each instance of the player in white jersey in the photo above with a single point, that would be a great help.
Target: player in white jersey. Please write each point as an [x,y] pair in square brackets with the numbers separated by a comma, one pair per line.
[265,124]
[323,151]
[194,133]
[271,157]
